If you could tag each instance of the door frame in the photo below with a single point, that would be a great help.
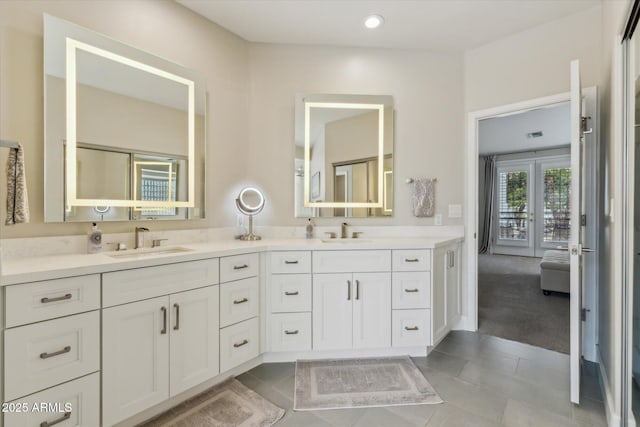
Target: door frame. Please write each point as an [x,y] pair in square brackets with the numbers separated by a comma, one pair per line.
[470,320]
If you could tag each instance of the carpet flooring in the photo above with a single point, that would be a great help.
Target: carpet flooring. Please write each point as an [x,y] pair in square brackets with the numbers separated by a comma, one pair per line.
[511,304]
[360,383]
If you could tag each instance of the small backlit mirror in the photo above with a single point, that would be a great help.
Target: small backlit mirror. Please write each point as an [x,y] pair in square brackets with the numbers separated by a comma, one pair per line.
[250,202]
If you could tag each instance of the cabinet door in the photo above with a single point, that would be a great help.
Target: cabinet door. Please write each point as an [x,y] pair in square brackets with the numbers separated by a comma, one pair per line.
[135,358]
[371,310]
[439,300]
[453,285]
[332,311]
[194,338]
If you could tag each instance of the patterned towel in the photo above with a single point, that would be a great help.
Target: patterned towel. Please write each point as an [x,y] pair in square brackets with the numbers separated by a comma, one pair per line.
[17,199]
[423,197]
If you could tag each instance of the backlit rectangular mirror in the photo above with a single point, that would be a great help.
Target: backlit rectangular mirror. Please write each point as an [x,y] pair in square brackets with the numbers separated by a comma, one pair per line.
[344,155]
[104,101]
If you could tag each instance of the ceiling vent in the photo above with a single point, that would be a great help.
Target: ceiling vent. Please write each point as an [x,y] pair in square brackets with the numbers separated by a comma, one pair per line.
[537,134]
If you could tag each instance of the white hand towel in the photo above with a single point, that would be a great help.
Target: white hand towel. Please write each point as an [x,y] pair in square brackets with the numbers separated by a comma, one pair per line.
[423,197]
[17,199]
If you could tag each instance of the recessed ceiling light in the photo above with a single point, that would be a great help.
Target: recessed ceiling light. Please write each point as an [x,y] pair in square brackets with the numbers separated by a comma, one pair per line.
[373,21]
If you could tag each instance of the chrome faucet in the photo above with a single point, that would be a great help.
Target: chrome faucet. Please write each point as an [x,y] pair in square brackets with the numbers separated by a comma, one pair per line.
[139,243]
[343,231]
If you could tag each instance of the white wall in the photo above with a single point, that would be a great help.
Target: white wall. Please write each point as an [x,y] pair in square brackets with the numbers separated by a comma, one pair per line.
[160,27]
[428,97]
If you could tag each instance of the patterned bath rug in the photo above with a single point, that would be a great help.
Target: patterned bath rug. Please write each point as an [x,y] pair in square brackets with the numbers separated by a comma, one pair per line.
[360,383]
[229,403]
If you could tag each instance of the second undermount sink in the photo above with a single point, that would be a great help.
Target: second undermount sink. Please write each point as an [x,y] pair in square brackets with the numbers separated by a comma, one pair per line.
[346,241]
[145,253]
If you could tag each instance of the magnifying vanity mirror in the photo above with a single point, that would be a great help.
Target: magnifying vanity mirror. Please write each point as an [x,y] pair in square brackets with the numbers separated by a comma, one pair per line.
[250,202]
[124,131]
[344,155]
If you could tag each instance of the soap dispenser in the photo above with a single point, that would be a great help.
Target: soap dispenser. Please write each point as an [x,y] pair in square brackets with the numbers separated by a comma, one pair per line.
[310,229]
[94,243]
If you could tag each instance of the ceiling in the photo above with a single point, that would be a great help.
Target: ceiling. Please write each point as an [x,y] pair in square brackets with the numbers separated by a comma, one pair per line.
[444,25]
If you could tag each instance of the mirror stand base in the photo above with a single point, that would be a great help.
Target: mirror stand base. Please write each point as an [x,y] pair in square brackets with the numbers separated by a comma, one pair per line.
[250,237]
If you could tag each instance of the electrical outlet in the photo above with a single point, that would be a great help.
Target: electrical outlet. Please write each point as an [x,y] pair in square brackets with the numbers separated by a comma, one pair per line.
[438,219]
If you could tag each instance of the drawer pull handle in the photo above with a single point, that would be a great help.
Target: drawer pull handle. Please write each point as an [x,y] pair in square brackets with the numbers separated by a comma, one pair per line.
[411,328]
[240,344]
[241,301]
[292,293]
[66,416]
[240,267]
[411,290]
[164,320]
[348,290]
[177,325]
[291,332]
[291,262]
[411,260]
[62,298]
[357,289]
[45,355]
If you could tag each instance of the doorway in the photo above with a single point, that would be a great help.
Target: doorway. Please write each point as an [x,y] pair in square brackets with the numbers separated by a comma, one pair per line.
[532,204]
[474,221]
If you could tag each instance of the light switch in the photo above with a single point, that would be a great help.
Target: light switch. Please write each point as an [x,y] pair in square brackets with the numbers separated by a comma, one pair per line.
[455,211]
[438,219]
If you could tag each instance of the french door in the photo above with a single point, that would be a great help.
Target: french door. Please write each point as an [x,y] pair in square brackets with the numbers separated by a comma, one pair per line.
[532,205]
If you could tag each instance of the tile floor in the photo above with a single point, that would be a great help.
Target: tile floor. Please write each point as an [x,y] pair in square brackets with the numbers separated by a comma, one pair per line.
[484,381]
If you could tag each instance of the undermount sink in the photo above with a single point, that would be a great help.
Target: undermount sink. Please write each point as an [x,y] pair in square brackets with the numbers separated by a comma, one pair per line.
[346,241]
[145,253]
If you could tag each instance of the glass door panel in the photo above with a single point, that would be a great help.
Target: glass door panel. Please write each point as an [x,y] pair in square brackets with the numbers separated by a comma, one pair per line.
[553,212]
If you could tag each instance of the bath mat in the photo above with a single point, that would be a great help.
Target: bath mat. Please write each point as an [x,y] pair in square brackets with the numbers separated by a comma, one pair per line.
[229,403]
[360,383]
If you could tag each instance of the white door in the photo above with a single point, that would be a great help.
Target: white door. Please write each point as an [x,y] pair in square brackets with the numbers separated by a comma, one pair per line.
[514,214]
[332,311]
[135,358]
[575,237]
[371,310]
[194,332]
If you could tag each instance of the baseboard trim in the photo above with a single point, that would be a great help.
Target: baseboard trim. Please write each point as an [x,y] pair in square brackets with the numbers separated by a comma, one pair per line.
[613,417]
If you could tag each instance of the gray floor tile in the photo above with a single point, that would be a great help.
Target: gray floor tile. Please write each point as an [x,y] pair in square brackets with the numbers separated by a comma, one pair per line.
[449,364]
[508,385]
[273,371]
[590,387]
[544,373]
[471,397]
[483,356]
[267,391]
[501,345]
[590,413]
[382,417]
[340,417]
[298,419]
[450,416]
[518,414]
[417,414]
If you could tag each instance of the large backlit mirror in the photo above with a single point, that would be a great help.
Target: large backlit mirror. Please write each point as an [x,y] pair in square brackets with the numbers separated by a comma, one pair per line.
[124,131]
[344,155]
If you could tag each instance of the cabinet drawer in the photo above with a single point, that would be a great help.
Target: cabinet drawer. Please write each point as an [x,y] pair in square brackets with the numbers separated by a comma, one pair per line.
[37,301]
[411,328]
[239,343]
[351,261]
[76,402]
[45,354]
[239,300]
[120,287]
[239,267]
[290,293]
[290,331]
[291,262]
[411,290]
[412,260]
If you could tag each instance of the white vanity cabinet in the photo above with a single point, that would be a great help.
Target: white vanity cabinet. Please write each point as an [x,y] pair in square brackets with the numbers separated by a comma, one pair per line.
[158,347]
[51,350]
[239,309]
[290,301]
[352,308]
[446,290]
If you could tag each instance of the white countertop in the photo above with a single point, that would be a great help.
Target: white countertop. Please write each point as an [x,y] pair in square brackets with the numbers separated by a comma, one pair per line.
[30,269]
